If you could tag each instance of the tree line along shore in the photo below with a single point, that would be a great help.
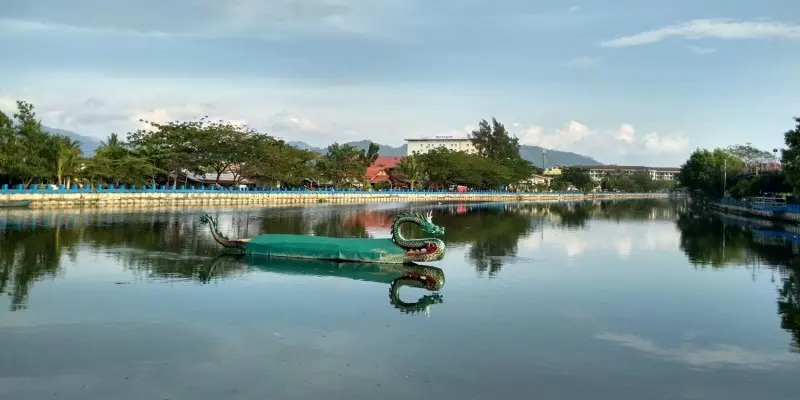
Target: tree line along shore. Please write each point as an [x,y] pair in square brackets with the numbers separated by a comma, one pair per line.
[167,154]
[744,171]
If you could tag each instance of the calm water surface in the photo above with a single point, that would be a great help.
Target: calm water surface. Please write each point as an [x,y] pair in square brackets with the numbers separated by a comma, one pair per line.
[626,300]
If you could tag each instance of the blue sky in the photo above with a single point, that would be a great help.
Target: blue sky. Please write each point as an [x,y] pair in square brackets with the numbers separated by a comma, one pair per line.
[623,81]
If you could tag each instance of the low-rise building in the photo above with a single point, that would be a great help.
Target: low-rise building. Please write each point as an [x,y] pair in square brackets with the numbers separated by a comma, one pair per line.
[552,171]
[540,179]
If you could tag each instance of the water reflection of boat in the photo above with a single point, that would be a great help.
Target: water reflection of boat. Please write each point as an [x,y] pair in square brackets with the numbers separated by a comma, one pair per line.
[395,275]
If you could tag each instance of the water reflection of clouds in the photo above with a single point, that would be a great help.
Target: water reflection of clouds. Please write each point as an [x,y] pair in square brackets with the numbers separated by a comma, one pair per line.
[698,357]
[211,360]
[622,239]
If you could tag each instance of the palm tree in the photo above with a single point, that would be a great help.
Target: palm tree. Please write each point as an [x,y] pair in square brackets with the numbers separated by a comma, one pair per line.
[413,169]
[112,142]
[68,160]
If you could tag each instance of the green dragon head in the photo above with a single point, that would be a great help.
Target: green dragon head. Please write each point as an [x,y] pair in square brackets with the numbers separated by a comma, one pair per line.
[427,225]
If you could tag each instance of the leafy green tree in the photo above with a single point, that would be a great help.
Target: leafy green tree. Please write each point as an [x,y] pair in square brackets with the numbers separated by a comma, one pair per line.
[642,182]
[343,164]
[703,173]
[770,182]
[412,168]
[494,141]
[171,147]
[578,177]
[445,167]
[7,144]
[115,163]
[751,155]
[790,156]
[367,158]
[220,145]
[28,150]
[559,184]
[271,161]
[617,181]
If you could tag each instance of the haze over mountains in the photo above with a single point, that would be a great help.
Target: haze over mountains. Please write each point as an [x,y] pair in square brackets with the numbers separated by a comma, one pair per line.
[530,153]
[88,144]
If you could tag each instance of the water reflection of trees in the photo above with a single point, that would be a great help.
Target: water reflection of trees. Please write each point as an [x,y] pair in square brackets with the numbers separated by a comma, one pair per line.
[28,255]
[492,231]
[158,245]
[173,245]
[491,235]
[639,210]
[573,215]
[720,242]
[337,226]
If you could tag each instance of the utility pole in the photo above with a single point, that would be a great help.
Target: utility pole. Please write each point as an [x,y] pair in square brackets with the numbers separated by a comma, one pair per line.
[724,177]
[544,152]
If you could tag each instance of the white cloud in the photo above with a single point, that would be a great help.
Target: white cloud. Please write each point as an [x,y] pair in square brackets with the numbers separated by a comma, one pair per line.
[265,19]
[701,50]
[574,8]
[580,138]
[710,28]
[573,133]
[583,62]
[696,356]
[574,248]
[661,239]
[7,104]
[288,121]
[318,115]
[657,234]
[623,246]
[626,133]
[654,143]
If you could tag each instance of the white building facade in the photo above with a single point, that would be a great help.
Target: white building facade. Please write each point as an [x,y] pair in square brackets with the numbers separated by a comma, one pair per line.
[424,145]
[598,172]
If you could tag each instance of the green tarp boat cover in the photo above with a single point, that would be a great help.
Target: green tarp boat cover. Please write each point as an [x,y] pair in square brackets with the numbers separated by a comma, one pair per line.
[326,248]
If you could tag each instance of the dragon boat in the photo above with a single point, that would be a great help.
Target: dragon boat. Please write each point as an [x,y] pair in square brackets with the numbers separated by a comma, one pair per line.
[394,250]
[396,276]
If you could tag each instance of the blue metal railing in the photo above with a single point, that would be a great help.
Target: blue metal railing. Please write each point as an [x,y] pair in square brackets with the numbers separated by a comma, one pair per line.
[61,189]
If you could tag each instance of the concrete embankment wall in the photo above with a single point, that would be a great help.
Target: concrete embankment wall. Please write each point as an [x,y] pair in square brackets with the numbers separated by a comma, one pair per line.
[149,199]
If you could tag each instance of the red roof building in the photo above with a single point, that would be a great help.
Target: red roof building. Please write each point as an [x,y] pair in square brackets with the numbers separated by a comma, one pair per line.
[381,169]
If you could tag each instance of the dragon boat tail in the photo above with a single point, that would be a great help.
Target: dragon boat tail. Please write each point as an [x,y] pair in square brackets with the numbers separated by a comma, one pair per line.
[394,250]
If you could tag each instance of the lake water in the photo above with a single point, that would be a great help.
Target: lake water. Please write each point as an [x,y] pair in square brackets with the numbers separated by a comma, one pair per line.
[612,300]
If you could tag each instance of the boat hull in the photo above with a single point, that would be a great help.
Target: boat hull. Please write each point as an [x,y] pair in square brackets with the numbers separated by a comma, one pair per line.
[16,204]
[383,251]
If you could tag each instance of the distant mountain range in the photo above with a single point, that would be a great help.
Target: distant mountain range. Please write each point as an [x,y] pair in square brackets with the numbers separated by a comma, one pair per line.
[88,144]
[530,153]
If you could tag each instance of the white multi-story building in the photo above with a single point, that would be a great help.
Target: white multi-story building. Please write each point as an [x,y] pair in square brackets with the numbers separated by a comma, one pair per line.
[424,145]
[598,172]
